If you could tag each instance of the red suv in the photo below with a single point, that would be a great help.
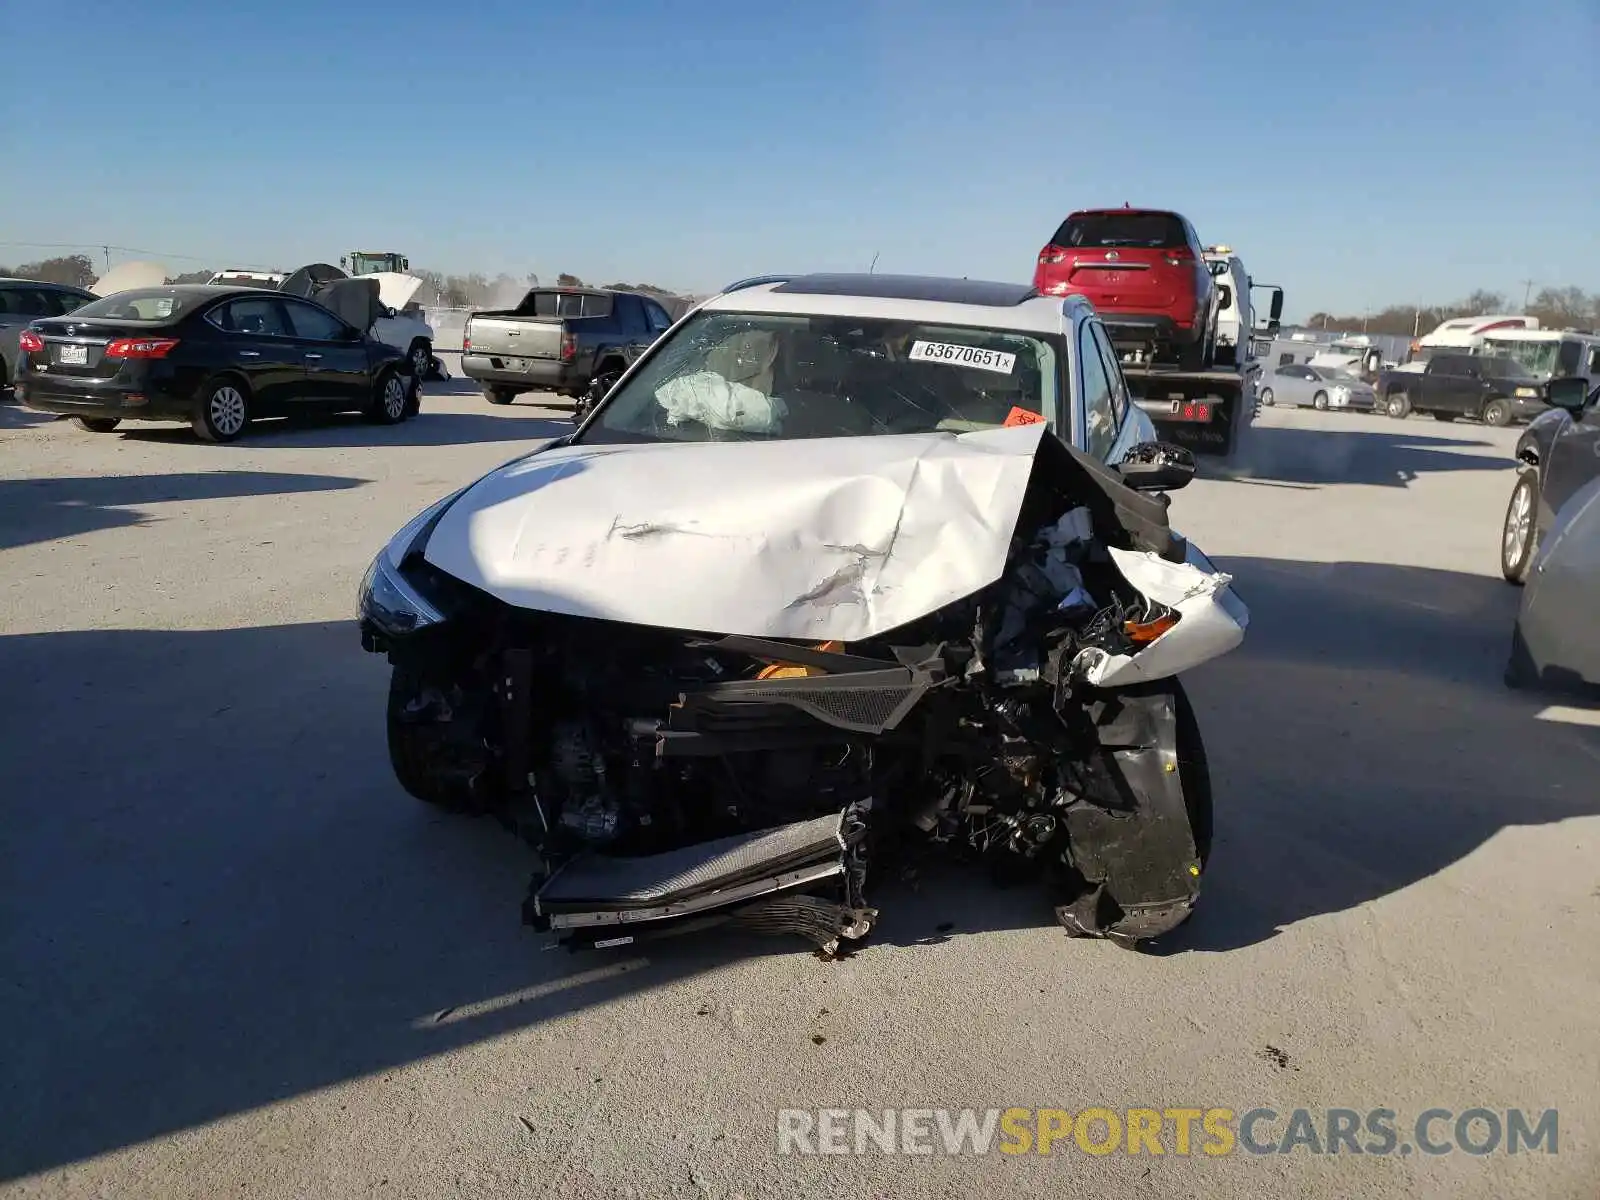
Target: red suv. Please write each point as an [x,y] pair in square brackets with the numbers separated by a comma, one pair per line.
[1144,271]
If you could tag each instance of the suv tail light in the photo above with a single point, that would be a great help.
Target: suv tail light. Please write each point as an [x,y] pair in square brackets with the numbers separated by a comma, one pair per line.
[1051,255]
[1178,255]
[141,347]
[30,342]
[569,347]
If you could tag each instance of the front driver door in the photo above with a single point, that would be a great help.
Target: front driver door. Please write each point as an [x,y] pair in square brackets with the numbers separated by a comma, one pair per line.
[335,357]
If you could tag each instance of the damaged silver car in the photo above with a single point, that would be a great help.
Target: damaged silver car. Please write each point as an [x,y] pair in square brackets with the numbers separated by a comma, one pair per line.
[845,569]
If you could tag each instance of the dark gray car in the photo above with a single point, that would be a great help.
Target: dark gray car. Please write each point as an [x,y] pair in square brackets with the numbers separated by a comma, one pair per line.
[24,300]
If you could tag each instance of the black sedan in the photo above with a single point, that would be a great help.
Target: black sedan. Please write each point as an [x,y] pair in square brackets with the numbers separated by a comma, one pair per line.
[216,357]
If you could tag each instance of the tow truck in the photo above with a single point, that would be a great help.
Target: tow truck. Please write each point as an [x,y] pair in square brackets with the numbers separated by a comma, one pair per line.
[1205,410]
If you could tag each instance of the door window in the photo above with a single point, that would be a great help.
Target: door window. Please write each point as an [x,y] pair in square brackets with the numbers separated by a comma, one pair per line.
[255,317]
[62,303]
[316,324]
[1119,385]
[1099,410]
[656,317]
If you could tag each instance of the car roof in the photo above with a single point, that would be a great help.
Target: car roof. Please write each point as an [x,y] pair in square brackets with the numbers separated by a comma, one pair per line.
[931,299]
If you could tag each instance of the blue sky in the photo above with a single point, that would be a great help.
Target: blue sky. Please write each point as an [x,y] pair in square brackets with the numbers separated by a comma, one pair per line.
[1359,154]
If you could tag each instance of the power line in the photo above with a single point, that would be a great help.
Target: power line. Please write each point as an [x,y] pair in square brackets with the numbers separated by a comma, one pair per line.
[120,250]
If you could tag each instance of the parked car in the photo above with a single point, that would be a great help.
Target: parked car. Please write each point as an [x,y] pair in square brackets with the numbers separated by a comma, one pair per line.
[215,357]
[842,562]
[1495,390]
[1297,385]
[1557,454]
[23,301]
[1145,272]
[1555,643]
[561,340]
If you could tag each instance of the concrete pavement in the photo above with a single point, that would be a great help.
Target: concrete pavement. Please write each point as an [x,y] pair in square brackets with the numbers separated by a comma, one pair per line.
[236,959]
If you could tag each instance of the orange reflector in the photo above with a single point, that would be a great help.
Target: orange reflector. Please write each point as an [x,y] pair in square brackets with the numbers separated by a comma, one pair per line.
[1150,630]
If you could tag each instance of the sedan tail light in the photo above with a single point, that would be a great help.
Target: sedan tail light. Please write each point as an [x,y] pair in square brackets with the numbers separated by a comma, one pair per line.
[569,347]
[141,347]
[30,342]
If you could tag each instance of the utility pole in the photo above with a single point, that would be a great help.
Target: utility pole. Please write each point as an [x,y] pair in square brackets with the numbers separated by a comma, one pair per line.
[874,265]
[106,250]
[1527,290]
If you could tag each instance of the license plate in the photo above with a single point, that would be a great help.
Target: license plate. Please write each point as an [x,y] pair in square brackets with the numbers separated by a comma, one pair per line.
[74,355]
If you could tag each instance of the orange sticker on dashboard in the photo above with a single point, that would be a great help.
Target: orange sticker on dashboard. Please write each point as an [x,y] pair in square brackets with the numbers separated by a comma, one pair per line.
[1021,416]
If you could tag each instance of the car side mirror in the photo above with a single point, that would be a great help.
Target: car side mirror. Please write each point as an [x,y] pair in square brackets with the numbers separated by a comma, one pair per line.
[1571,393]
[1157,467]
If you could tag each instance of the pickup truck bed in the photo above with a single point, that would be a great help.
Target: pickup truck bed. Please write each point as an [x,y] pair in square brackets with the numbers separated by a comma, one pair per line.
[558,340]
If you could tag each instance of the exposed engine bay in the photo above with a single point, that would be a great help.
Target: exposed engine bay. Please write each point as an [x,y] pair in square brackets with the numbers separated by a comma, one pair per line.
[673,780]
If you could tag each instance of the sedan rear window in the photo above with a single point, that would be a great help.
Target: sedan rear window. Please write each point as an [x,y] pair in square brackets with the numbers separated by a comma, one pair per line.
[1143,231]
[155,305]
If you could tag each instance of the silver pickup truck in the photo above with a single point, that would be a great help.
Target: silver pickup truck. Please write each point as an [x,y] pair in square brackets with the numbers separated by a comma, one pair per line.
[559,340]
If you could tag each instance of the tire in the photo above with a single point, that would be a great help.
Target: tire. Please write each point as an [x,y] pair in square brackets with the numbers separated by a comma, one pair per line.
[1444,416]
[414,759]
[1497,413]
[1320,402]
[499,395]
[1398,405]
[421,355]
[1266,397]
[604,380]
[98,424]
[390,400]
[1519,532]
[222,410]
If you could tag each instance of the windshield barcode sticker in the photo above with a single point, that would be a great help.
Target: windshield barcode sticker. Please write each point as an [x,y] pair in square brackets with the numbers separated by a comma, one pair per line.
[964,356]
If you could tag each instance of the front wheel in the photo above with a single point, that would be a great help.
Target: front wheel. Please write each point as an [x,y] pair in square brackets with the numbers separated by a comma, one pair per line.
[1519,535]
[391,397]
[421,359]
[222,412]
[1266,397]
[98,424]
[1320,402]
[1398,405]
[1497,413]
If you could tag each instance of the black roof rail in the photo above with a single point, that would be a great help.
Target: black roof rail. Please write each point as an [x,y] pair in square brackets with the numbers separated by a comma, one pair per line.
[755,281]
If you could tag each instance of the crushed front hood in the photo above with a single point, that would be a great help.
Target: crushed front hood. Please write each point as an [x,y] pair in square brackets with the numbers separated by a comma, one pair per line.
[838,538]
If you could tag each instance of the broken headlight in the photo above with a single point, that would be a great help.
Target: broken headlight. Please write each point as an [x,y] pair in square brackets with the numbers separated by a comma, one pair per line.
[392,604]
[386,599]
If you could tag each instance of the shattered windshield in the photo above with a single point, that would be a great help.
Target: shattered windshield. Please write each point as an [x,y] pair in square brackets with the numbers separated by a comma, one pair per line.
[727,376]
